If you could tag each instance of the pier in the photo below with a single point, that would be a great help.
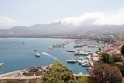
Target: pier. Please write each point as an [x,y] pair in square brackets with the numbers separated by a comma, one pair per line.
[59,45]
[91,63]
[90,60]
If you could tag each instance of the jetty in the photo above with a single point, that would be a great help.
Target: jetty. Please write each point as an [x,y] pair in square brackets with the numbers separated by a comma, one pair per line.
[91,63]
[90,60]
[59,45]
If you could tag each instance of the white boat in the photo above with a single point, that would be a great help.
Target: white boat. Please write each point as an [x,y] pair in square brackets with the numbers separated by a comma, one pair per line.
[86,65]
[89,68]
[81,58]
[76,53]
[37,54]
[82,61]
[70,50]
[1,64]
[71,61]
[77,45]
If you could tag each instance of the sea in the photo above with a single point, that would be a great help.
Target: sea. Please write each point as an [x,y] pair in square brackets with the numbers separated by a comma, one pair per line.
[19,54]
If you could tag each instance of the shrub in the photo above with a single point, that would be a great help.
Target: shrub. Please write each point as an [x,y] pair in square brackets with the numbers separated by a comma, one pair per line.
[104,73]
[116,57]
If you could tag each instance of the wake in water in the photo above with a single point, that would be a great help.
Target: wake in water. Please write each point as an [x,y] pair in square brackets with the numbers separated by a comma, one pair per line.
[49,55]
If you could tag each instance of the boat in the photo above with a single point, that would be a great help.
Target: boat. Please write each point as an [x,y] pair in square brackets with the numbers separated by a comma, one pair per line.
[82,61]
[23,43]
[1,64]
[71,61]
[86,65]
[35,50]
[37,54]
[76,53]
[77,45]
[89,68]
[71,50]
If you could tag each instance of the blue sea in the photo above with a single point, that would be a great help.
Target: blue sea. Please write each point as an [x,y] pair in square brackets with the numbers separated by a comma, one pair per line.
[19,54]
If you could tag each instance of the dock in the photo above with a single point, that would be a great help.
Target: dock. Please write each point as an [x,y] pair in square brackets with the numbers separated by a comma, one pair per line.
[90,60]
[91,63]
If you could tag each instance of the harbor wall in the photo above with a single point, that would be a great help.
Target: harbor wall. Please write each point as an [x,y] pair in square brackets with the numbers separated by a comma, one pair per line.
[17,80]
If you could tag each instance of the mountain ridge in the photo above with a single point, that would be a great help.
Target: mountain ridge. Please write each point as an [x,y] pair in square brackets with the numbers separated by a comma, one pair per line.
[58,28]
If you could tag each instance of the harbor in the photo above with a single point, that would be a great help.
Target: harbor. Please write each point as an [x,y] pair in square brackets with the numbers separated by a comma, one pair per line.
[87,56]
[39,48]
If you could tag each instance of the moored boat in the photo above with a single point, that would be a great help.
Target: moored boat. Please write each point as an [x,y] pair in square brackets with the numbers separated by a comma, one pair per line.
[86,65]
[71,61]
[70,50]
[89,68]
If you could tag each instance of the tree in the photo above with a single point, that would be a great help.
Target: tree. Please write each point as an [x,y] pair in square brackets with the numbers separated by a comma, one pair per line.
[58,73]
[105,57]
[116,57]
[122,50]
[104,73]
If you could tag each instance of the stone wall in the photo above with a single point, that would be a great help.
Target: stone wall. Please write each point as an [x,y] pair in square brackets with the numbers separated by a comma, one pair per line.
[36,80]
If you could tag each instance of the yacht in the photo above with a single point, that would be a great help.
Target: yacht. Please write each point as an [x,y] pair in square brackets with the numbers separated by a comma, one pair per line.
[86,65]
[76,53]
[37,54]
[82,61]
[70,50]
[77,45]
[1,64]
[89,68]
[71,61]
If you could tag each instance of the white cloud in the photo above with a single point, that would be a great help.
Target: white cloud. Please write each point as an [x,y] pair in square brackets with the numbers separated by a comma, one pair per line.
[95,18]
[8,22]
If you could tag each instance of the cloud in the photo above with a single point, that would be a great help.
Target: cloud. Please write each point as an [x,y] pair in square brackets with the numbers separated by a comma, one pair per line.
[95,18]
[8,22]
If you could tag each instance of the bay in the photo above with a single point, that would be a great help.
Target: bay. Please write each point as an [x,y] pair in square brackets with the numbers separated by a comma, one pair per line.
[18,53]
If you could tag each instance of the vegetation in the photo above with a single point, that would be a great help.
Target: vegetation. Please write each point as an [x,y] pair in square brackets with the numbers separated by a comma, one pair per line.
[105,58]
[83,79]
[122,50]
[58,73]
[116,57]
[104,73]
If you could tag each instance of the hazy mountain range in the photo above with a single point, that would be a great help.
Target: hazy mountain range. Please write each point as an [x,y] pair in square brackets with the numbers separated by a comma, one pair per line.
[58,28]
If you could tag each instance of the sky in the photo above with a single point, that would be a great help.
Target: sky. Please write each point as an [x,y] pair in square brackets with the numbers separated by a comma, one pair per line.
[75,12]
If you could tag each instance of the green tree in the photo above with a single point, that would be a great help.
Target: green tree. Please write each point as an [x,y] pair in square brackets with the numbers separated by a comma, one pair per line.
[105,58]
[122,50]
[58,73]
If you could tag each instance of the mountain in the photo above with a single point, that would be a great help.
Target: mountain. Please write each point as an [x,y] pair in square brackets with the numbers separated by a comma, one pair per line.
[59,29]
